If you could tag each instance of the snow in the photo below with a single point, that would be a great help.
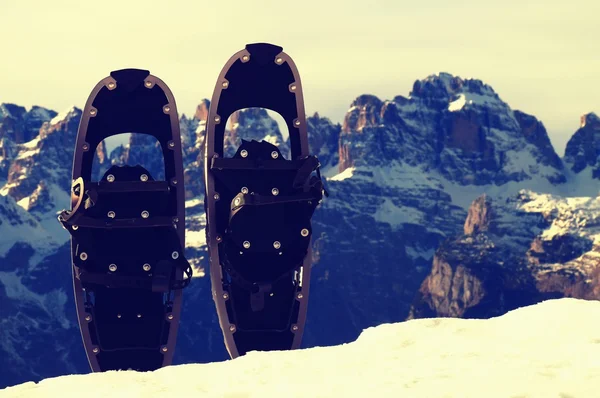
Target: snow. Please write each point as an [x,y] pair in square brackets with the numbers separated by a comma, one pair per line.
[457,104]
[53,302]
[394,215]
[551,349]
[62,116]
[195,239]
[343,175]
[576,215]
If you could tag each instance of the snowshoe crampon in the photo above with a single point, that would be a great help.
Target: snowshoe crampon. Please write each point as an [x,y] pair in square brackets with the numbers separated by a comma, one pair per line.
[259,207]
[127,230]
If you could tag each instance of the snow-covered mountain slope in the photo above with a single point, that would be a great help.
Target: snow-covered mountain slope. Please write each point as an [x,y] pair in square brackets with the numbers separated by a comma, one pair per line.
[403,174]
[547,350]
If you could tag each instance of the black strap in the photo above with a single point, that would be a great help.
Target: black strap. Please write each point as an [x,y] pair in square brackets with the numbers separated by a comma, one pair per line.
[159,281]
[80,220]
[129,186]
[251,164]
[261,200]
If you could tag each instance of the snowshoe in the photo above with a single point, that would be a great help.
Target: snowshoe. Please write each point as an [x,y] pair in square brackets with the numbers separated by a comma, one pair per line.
[259,207]
[128,230]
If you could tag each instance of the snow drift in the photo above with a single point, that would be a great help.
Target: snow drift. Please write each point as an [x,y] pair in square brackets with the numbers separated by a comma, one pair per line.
[551,349]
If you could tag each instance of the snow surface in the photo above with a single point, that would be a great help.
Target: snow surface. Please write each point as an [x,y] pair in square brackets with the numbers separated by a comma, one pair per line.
[343,175]
[551,349]
[62,116]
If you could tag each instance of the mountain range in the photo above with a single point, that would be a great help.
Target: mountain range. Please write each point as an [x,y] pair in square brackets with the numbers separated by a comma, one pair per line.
[445,202]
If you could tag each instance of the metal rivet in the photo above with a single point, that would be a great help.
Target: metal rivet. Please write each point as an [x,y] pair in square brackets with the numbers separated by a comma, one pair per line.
[246,244]
[145,214]
[275,191]
[85,147]
[293,87]
[274,154]
[119,316]
[232,328]
[75,227]
[236,201]
[171,144]
[244,190]
[139,315]
[218,238]
[276,244]
[295,327]
[296,123]
[279,60]
[174,181]
[175,255]
[166,109]
[112,267]
[148,84]
[246,58]
[225,84]
[164,349]
[96,350]
[88,318]
[93,112]
[144,177]
[170,317]
[304,232]
[225,296]
[217,119]
[146,267]
[175,219]
[216,196]
[111,214]
[244,153]
[110,178]
[299,295]
[83,256]
[111,85]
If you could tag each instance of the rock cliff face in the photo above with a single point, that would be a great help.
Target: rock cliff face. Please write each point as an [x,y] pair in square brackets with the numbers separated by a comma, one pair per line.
[512,254]
[583,149]
[400,236]
[458,128]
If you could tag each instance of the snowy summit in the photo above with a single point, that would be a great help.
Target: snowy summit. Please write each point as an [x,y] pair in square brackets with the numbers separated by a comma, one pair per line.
[551,349]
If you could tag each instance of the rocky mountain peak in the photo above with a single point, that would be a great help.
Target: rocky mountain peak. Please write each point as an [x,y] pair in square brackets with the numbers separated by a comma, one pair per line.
[323,139]
[445,89]
[202,110]
[20,125]
[583,149]
[365,111]
[253,124]
[591,118]
[479,217]
[459,127]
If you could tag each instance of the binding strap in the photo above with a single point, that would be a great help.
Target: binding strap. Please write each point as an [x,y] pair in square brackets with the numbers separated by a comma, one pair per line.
[159,282]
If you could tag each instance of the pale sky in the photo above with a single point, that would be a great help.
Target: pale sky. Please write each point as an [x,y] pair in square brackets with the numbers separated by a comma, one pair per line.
[542,57]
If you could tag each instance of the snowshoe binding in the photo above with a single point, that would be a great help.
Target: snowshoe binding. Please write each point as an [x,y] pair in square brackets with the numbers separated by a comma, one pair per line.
[259,207]
[128,230]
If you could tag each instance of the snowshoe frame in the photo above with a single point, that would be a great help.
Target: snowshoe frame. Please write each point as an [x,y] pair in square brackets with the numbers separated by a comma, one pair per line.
[264,93]
[163,289]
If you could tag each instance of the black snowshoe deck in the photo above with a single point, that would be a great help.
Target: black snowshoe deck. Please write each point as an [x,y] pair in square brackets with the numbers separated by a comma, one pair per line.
[259,207]
[128,230]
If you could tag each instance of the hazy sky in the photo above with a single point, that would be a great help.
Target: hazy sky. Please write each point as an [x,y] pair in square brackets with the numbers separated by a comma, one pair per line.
[542,57]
